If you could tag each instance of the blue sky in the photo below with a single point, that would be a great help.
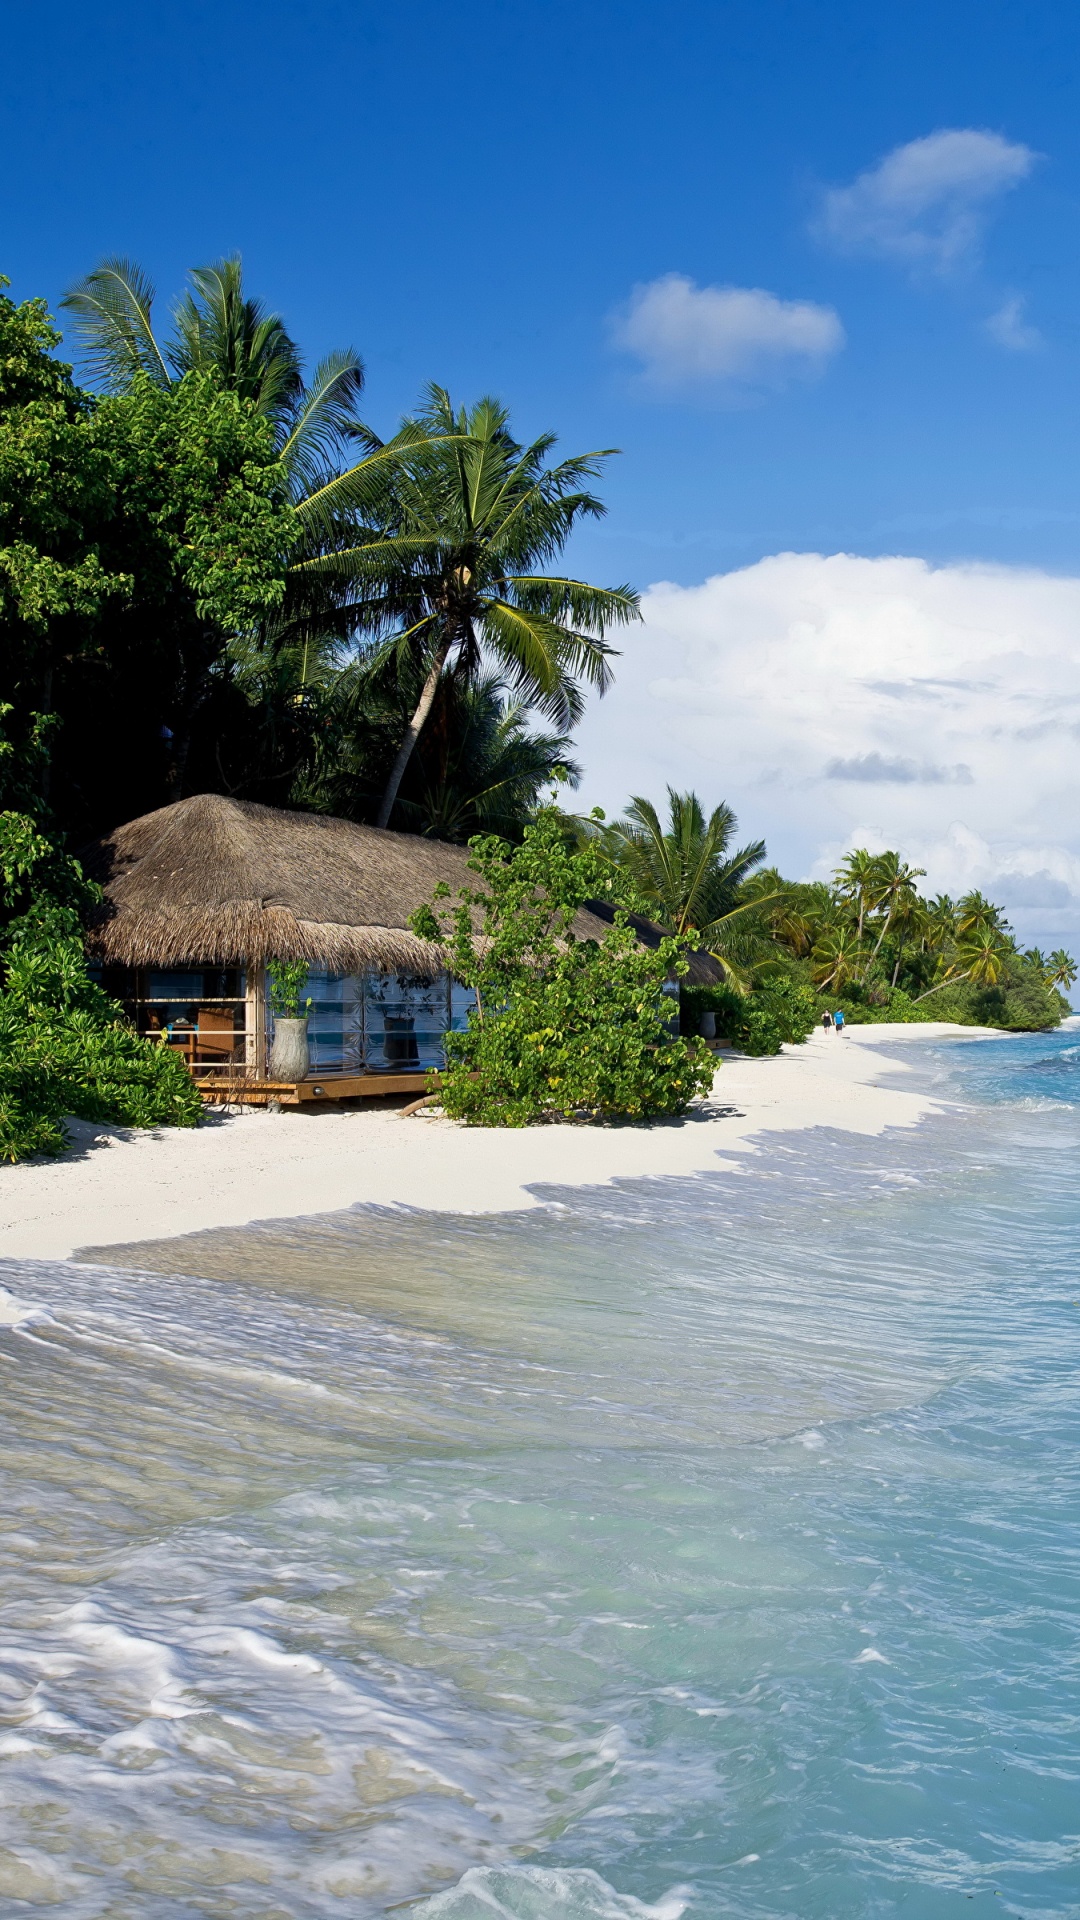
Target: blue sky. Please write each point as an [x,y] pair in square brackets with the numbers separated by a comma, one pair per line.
[677,230]
[469,192]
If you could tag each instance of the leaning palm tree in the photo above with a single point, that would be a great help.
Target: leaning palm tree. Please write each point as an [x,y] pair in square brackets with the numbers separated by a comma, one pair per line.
[980,955]
[983,954]
[1061,969]
[451,571]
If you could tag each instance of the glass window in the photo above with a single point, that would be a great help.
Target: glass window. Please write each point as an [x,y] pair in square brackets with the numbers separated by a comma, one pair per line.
[405,1018]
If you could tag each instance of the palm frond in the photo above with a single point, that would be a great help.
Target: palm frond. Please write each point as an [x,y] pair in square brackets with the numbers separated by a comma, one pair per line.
[112,309]
[218,326]
[324,421]
[366,487]
[564,600]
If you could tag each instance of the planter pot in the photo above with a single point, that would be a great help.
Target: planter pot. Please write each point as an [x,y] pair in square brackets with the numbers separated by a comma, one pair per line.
[707,1026]
[289,1056]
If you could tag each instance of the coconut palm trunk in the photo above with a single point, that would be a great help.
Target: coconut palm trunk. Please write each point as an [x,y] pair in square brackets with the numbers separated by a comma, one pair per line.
[412,734]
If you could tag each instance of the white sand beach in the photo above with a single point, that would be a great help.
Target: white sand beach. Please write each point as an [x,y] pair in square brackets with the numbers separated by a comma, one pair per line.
[116,1186]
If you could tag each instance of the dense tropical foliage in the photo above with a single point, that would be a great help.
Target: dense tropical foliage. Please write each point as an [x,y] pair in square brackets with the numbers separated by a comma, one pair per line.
[138,535]
[65,1048]
[215,576]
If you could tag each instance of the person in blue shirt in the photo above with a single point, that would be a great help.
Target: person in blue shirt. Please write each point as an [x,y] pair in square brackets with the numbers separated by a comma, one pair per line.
[838,1019]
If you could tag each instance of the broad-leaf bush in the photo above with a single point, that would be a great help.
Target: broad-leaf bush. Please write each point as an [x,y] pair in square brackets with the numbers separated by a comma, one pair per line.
[65,1047]
[563,1028]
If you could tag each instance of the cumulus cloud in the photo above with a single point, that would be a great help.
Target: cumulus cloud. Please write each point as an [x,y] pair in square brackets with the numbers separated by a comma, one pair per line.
[686,335]
[926,202]
[836,701]
[1009,328]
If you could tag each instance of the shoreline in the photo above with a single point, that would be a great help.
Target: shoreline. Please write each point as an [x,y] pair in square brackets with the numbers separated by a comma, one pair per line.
[117,1187]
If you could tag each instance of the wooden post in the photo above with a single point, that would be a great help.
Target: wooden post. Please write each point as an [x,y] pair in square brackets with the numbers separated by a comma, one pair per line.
[255,1020]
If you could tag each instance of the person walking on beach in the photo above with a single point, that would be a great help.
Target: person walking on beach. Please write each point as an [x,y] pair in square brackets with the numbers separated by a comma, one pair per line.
[838,1019]
[826,1021]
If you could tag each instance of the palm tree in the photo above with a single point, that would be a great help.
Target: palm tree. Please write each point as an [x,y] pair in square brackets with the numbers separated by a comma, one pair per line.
[895,891]
[446,574]
[217,327]
[317,434]
[984,953]
[976,914]
[481,769]
[980,955]
[838,957]
[1061,971]
[797,912]
[688,878]
[910,925]
[859,879]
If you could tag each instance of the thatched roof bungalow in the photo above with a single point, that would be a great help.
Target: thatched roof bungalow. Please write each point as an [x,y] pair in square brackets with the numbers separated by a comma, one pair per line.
[200,895]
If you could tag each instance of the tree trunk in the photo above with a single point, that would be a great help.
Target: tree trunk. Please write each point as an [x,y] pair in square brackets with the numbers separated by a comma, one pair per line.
[412,734]
[950,980]
[174,777]
[45,776]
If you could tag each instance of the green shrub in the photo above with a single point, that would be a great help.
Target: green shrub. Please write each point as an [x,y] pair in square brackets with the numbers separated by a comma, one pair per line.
[861,1010]
[65,1047]
[286,979]
[1020,1001]
[563,1028]
[783,1011]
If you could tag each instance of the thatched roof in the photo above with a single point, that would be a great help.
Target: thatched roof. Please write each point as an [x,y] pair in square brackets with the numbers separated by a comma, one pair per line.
[223,882]
[702,969]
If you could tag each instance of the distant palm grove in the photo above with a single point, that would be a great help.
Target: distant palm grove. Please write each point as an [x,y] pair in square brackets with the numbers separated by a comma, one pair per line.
[216,576]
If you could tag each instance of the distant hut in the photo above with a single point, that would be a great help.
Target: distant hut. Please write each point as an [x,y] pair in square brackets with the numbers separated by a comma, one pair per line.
[199,897]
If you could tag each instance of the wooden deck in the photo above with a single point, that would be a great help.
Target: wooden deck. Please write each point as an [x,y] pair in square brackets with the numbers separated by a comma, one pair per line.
[301,1093]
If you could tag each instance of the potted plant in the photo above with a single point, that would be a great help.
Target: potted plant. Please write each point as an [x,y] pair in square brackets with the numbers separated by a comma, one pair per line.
[290,1058]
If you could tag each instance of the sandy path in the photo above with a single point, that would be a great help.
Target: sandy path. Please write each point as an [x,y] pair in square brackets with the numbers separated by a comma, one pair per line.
[121,1186]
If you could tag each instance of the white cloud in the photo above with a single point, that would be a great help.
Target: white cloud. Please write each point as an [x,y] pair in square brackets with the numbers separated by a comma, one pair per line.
[686,335]
[839,701]
[926,202]
[1009,328]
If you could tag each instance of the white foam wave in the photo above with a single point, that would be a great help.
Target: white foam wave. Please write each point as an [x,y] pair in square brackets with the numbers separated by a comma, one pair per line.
[18,1313]
[544,1893]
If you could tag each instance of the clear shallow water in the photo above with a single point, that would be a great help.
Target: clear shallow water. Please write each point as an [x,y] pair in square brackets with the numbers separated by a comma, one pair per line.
[704,1546]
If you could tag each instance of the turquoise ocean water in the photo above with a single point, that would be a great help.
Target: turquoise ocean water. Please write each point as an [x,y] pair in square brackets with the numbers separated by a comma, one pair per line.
[705,1546]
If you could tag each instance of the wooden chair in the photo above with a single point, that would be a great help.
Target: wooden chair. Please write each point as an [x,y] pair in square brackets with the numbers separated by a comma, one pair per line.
[217,1038]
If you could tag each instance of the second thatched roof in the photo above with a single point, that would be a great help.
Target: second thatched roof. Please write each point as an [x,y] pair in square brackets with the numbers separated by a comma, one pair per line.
[225,882]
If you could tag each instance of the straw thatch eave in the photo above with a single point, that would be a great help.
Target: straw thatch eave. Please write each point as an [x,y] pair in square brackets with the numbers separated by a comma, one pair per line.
[223,882]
